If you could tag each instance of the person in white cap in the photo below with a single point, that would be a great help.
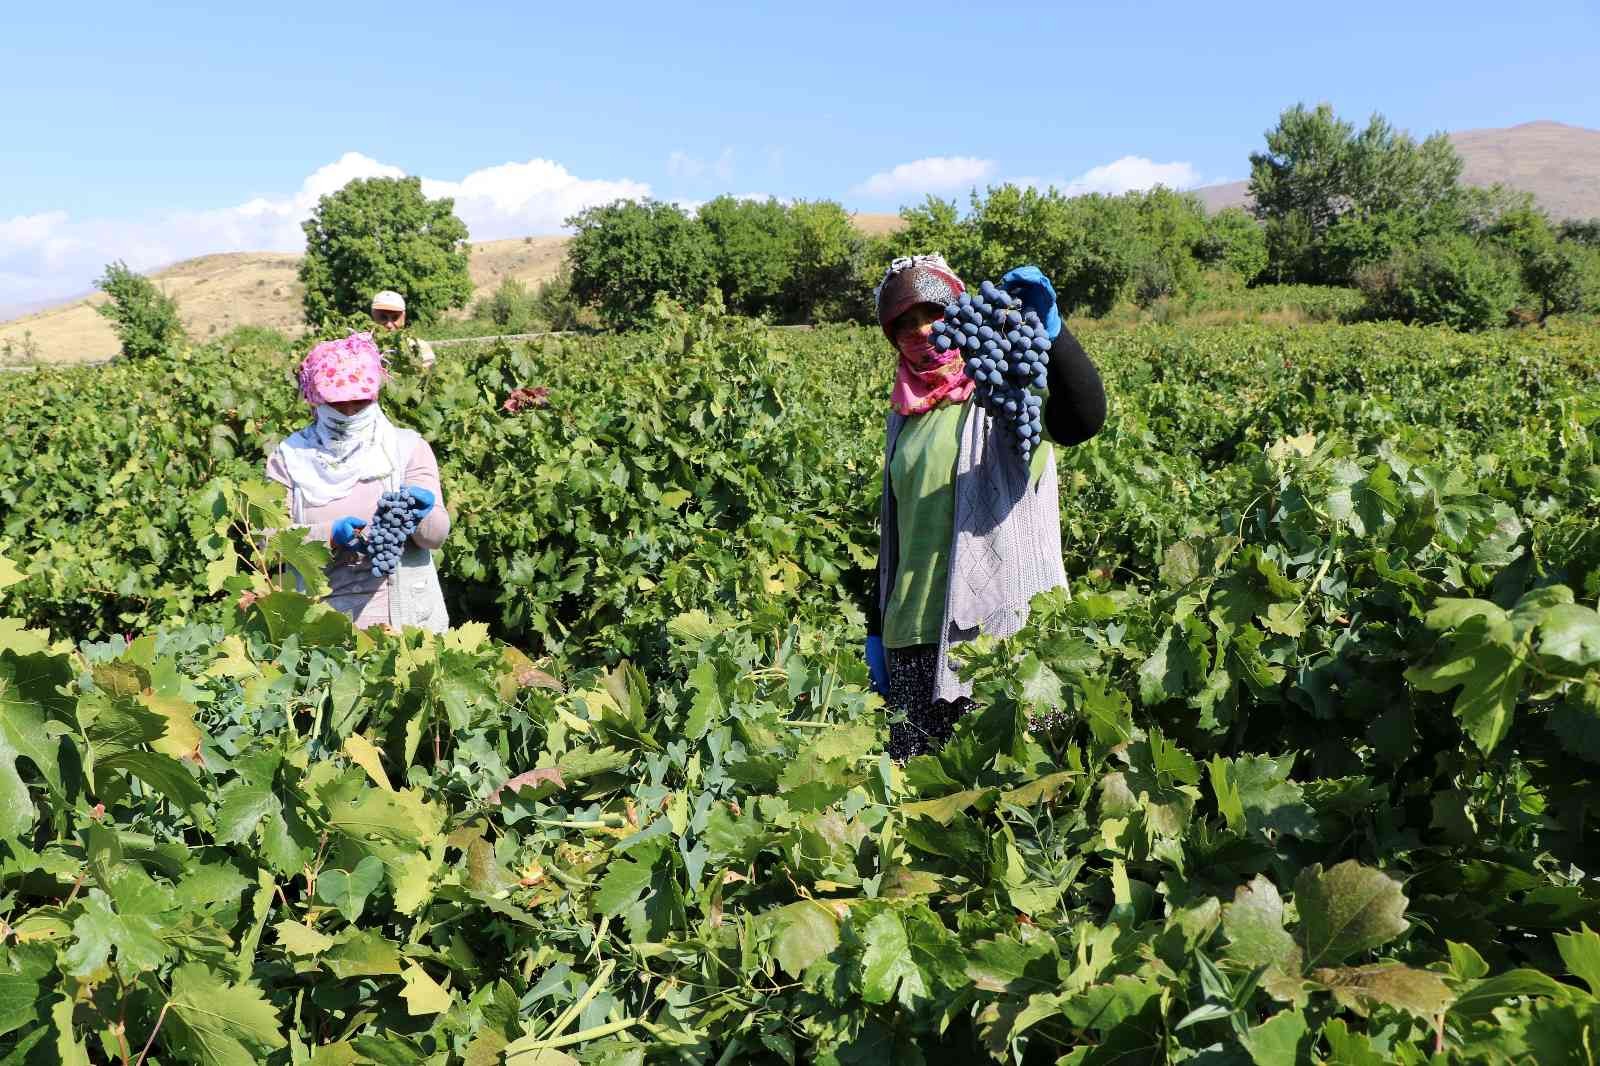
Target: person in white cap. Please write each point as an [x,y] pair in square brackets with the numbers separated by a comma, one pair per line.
[389,312]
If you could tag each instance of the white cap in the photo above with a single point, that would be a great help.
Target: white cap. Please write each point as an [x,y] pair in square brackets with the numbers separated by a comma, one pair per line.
[388,301]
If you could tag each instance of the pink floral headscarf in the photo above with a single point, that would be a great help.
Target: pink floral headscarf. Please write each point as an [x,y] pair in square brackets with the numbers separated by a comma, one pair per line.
[348,369]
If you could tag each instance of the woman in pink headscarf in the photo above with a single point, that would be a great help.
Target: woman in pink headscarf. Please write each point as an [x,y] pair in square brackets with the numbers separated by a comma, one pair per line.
[334,471]
[970,527]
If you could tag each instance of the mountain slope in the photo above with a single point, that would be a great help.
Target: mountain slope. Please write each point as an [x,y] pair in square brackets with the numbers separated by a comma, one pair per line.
[1559,164]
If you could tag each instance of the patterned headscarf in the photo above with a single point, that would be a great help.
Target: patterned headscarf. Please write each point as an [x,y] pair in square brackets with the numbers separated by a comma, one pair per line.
[348,369]
[912,280]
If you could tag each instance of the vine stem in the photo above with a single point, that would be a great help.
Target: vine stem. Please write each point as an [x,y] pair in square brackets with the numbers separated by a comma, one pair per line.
[121,1029]
[577,1008]
[159,1019]
[583,1034]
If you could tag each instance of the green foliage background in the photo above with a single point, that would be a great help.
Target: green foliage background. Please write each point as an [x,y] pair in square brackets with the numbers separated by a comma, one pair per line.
[1313,736]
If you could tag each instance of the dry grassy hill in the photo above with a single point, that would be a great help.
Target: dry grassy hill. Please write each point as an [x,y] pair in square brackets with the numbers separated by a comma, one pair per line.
[1559,164]
[218,292]
[215,293]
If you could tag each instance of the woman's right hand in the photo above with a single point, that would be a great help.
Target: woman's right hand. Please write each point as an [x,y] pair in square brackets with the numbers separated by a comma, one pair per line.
[878,665]
[345,531]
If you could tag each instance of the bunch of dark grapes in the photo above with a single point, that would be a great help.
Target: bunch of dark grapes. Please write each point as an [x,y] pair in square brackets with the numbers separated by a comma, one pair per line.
[387,532]
[1006,350]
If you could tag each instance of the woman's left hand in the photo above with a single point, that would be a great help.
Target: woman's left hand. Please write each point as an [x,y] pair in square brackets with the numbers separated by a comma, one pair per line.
[423,497]
[1028,284]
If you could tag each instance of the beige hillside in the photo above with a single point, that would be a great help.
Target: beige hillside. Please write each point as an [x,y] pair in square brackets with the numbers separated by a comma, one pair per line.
[215,293]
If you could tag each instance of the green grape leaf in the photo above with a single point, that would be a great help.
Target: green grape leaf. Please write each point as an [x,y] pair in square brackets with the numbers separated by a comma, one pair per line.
[215,1023]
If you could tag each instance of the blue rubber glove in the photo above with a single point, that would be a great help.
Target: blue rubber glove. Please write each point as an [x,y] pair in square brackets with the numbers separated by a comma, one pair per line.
[878,666]
[1028,284]
[423,497]
[345,531]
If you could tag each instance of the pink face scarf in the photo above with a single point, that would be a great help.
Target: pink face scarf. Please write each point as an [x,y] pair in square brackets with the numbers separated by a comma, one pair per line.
[927,377]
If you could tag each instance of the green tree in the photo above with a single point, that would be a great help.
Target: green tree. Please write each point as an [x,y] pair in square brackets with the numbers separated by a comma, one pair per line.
[935,227]
[1089,246]
[826,265]
[1481,207]
[1356,240]
[382,233]
[1235,241]
[145,318]
[1170,226]
[623,254]
[753,251]
[1092,247]
[1317,171]
[1094,250]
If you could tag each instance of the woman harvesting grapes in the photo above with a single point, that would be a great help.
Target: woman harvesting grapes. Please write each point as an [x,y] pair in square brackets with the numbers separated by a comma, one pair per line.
[970,521]
[367,488]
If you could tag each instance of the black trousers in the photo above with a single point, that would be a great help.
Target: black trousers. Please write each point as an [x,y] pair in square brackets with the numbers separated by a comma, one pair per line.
[919,724]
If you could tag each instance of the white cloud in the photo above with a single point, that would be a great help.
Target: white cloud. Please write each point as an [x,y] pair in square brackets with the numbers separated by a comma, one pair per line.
[538,196]
[1130,173]
[48,255]
[681,164]
[940,173]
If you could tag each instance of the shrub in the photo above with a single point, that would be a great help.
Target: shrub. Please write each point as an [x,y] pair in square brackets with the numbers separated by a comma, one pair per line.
[1558,273]
[509,307]
[1153,280]
[1565,278]
[383,233]
[1355,242]
[145,318]
[555,306]
[1582,231]
[1235,241]
[1455,281]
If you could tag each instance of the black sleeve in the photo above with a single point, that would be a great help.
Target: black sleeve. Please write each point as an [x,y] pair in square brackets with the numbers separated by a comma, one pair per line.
[869,605]
[1076,408]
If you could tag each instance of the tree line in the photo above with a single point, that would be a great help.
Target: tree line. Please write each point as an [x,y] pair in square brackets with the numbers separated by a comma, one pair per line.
[1329,204]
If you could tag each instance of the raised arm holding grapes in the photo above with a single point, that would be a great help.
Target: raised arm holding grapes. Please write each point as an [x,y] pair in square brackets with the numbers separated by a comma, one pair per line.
[367,488]
[970,522]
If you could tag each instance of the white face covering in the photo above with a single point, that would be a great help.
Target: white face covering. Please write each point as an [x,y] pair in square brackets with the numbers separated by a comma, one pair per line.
[339,431]
[336,452]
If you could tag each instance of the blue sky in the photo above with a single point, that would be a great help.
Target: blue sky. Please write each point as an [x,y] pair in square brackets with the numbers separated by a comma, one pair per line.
[155,134]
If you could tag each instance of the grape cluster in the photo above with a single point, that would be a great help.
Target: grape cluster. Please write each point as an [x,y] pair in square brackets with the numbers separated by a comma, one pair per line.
[397,517]
[1006,350]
